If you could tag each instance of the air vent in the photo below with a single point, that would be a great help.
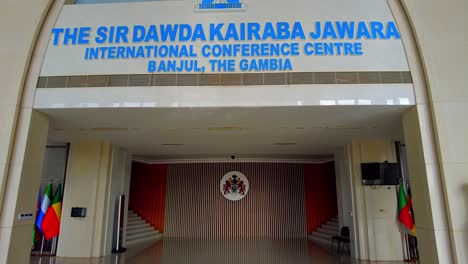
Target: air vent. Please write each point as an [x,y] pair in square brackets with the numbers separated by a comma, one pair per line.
[274,78]
[164,80]
[224,79]
[230,79]
[209,80]
[57,82]
[346,77]
[302,77]
[369,77]
[252,79]
[172,144]
[139,80]
[118,80]
[324,78]
[187,80]
[284,144]
[391,77]
[77,81]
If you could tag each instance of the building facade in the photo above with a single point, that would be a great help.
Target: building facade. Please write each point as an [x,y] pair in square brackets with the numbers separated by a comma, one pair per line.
[48,46]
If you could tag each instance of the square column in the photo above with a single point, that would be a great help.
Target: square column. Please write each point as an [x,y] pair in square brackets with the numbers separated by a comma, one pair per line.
[22,184]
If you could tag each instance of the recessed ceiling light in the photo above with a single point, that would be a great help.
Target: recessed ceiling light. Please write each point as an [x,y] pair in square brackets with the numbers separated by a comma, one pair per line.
[103,129]
[344,127]
[227,128]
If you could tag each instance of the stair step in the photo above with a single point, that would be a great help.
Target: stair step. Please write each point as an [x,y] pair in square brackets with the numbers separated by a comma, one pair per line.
[143,234]
[327,231]
[134,242]
[133,218]
[139,230]
[130,227]
[330,227]
[136,222]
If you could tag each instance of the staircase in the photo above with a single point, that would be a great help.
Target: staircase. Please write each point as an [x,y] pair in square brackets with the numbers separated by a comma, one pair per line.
[139,231]
[323,234]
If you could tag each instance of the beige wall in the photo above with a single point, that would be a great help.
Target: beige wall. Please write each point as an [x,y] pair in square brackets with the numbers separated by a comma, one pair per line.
[20,22]
[96,174]
[440,154]
[119,184]
[344,193]
[378,236]
[436,43]
[24,176]
[86,185]
[23,132]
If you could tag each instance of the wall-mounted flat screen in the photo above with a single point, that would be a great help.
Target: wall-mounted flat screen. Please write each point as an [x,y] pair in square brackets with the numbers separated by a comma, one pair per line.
[379,173]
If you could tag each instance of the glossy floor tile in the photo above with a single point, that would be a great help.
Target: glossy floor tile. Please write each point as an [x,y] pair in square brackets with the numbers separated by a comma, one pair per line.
[245,251]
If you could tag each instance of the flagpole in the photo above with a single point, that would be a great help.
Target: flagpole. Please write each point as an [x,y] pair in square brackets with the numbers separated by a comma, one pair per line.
[42,245]
[401,181]
[52,249]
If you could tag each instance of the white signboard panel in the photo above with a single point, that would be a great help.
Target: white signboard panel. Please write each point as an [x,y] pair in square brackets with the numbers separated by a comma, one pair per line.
[203,36]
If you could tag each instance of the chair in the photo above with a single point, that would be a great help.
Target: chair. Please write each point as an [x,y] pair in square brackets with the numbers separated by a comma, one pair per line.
[343,241]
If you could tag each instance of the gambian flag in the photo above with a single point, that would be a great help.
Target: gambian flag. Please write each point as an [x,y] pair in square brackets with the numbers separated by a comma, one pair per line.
[404,210]
[44,206]
[51,223]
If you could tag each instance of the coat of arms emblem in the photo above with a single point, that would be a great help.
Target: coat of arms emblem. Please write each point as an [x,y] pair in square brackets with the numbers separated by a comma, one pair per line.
[234,185]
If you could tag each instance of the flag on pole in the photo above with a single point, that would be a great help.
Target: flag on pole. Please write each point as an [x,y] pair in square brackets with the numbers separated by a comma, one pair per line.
[404,212]
[44,206]
[35,235]
[51,222]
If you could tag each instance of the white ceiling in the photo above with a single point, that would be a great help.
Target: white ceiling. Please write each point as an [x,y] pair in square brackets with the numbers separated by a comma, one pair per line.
[181,133]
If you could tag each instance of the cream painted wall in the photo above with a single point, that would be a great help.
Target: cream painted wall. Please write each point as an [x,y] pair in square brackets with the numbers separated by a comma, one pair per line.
[375,220]
[87,185]
[436,43]
[20,22]
[431,219]
[23,131]
[119,184]
[439,74]
[344,193]
[97,173]
[24,177]
[440,32]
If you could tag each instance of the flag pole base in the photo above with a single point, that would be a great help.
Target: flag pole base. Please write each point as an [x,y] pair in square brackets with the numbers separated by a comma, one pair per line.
[120,250]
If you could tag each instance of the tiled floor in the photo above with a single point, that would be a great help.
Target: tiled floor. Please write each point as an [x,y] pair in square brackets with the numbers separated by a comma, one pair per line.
[178,251]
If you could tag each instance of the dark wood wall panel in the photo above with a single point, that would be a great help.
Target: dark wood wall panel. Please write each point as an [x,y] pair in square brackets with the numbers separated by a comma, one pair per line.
[273,208]
[284,200]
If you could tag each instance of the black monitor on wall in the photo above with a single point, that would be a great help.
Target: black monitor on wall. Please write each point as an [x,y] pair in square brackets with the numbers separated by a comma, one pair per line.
[376,173]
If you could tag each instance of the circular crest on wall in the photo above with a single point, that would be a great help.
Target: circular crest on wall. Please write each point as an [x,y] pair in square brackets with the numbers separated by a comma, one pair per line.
[234,185]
